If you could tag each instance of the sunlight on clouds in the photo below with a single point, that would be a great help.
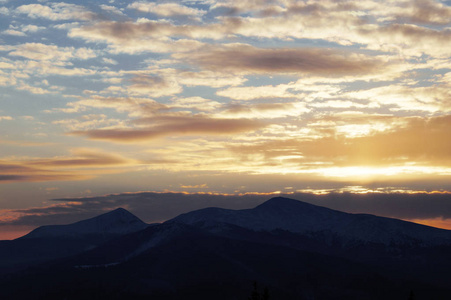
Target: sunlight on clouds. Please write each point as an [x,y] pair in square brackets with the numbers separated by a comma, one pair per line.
[357,173]
[332,91]
[360,130]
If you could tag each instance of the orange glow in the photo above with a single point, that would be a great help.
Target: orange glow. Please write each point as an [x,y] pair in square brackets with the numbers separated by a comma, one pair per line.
[10,232]
[436,222]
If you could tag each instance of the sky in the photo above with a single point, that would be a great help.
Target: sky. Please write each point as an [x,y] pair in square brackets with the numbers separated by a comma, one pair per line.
[230,100]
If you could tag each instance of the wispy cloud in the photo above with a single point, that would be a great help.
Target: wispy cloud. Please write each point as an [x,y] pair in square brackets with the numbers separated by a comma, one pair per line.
[82,164]
[173,126]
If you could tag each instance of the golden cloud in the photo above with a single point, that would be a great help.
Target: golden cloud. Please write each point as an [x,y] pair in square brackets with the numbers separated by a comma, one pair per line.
[421,142]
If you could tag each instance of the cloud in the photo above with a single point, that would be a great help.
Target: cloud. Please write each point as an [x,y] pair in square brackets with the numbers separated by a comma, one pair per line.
[112,9]
[87,121]
[24,143]
[166,9]
[4,11]
[256,92]
[33,89]
[433,98]
[423,12]
[160,126]
[246,59]
[239,7]
[395,205]
[12,172]
[134,106]
[82,164]
[411,39]
[195,103]
[82,158]
[395,27]
[109,61]
[409,142]
[265,110]
[25,69]
[13,32]
[153,86]
[141,36]
[32,28]
[207,78]
[56,11]
[43,52]
[338,23]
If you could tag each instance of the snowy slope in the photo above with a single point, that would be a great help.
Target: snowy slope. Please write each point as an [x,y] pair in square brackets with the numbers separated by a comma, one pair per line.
[116,222]
[300,217]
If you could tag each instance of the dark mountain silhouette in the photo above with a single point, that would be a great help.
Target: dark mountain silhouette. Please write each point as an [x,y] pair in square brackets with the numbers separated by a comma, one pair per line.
[304,218]
[55,241]
[294,249]
[116,222]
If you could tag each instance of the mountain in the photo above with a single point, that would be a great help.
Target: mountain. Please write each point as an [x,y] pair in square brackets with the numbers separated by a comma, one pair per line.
[116,222]
[48,243]
[303,218]
[294,249]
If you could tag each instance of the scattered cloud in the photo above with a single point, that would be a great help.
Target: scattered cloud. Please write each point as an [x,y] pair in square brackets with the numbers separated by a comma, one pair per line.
[43,52]
[134,106]
[14,32]
[318,93]
[112,9]
[166,9]
[196,103]
[56,11]
[153,86]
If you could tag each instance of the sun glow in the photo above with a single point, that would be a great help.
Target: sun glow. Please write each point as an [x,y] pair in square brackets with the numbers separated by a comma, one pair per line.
[365,172]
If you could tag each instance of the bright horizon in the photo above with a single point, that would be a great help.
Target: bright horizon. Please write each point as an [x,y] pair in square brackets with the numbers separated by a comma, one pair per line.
[222,97]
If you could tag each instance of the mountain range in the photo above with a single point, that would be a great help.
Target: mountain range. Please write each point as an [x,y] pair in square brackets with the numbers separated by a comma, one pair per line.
[291,249]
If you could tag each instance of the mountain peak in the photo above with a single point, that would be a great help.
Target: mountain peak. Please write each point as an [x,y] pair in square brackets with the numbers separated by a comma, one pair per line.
[116,222]
[296,208]
[282,201]
[120,213]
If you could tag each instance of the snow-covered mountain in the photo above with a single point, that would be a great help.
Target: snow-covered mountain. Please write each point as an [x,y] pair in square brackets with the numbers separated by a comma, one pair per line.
[298,250]
[308,219]
[116,222]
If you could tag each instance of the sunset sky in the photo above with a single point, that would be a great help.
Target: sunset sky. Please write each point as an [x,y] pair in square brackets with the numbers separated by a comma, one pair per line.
[221,97]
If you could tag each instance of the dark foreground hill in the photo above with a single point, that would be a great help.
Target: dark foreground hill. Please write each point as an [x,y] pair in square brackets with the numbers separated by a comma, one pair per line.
[294,249]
